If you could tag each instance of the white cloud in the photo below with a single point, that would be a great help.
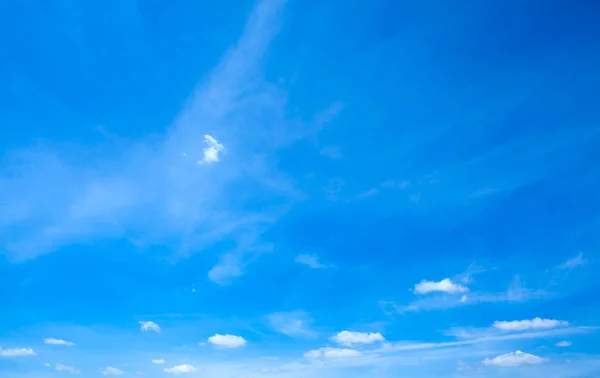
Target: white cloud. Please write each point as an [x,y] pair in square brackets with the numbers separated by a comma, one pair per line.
[228,341]
[348,338]
[181,369]
[446,286]
[517,358]
[464,299]
[212,151]
[53,341]
[159,361]
[293,324]
[564,344]
[56,195]
[574,262]
[332,353]
[536,323]
[311,261]
[17,352]
[112,371]
[70,369]
[149,326]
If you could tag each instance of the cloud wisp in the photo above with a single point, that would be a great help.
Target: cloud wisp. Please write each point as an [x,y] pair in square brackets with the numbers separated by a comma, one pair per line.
[535,323]
[180,189]
[149,326]
[53,341]
[444,286]
[515,359]
[227,341]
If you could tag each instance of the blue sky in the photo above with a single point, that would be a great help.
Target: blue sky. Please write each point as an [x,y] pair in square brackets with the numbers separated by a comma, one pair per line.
[288,189]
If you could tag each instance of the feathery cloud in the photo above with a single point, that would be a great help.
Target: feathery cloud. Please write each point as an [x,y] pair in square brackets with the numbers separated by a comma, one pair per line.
[573,263]
[111,371]
[69,369]
[149,326]
[311,261]
[17,352]
[293,324]
[332,353]
[53,341]
[564,344]
[159,361]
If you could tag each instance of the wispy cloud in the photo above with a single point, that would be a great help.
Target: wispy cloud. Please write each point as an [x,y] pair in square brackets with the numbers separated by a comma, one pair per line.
[149,326]
[158,361]
[69,369]
[151,190]
[111,371]
[312,261]
[515,293]
[332,353]
[53,341]
[293,324]
[573,263]
[17,352]
[564,344]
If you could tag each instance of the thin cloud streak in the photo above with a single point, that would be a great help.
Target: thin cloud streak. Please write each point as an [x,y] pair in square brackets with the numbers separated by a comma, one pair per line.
[152,191]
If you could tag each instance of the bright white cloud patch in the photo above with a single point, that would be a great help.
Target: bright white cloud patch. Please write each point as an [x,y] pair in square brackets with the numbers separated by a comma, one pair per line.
[112,371]
[349,338]
[212,150]
[53,341]
[332,353]
[181,369]
[311,261]
[536,323]
[149,326]
[446,286]
[517,358]
[159,361]
[564,344]
[69,369]
[17,352]
[228,341]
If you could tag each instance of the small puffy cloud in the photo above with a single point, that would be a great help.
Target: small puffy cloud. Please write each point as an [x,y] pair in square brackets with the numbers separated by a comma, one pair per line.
[536,323]
[69,369]
[17,352]
[293,324]
[517,358]
[564,344]
[181,369]
[312,261]
[445,286]
[53,341]
[464,299]
[149,326]
[112,371]
[159,361]
[331,353]
[348,338]
[212,150]
[573,263]
[228,341]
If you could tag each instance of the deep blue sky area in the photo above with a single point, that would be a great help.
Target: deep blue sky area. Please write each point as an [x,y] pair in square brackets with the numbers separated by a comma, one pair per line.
[294,189]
